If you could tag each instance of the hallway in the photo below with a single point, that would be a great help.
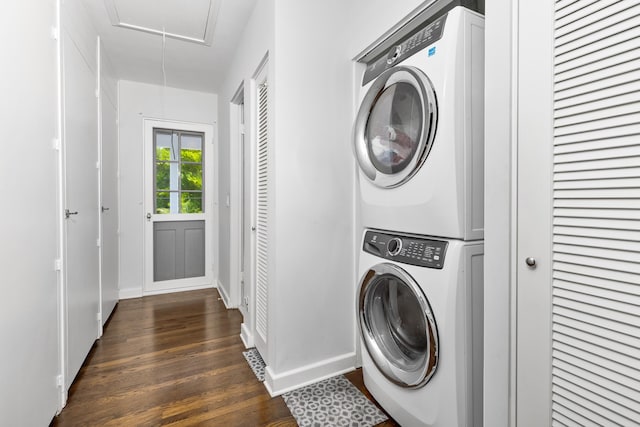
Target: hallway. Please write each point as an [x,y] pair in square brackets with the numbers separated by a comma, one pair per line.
[173,359]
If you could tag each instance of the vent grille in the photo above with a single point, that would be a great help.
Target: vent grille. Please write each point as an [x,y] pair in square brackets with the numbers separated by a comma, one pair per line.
[262,216]
[596,234]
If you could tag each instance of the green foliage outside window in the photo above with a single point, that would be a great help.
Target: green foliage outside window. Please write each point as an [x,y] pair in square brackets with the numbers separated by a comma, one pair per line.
[190,180]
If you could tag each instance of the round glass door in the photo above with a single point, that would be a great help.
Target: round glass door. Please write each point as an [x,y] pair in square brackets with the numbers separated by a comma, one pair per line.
[395,126]
[397,325]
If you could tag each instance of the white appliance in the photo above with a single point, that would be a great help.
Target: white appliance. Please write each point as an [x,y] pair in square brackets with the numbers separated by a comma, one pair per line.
[419,132]
[419,308]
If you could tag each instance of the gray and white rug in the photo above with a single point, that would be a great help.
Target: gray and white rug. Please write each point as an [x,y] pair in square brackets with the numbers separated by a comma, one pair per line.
[255,362]
[332,402]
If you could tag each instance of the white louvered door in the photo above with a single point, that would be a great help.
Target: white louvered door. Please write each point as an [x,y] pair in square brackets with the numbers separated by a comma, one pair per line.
[596,236]
[262,223]
[594,263]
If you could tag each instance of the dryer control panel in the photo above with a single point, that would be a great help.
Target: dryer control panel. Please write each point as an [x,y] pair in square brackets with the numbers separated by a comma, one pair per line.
[406,249]
[417,41]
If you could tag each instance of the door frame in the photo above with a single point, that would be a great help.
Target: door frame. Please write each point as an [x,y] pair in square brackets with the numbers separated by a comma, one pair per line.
[149,287]
[510,79]
[235,200]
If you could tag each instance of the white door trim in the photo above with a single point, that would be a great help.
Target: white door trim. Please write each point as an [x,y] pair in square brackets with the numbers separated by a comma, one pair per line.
[534,206]
[235,202]
[211,209]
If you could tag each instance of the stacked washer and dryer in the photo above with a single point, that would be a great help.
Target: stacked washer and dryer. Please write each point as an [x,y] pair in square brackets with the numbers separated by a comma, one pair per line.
[419,142]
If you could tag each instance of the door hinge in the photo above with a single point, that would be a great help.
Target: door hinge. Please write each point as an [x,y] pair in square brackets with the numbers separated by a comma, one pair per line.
[59,382]
[98,242]
[246,301]
[98,93]
[55,143]
[55,33]
[97,164]
[99,317]
[57,264]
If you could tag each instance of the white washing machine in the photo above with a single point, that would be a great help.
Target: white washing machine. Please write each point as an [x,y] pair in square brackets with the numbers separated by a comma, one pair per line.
[419,306]
[419,133]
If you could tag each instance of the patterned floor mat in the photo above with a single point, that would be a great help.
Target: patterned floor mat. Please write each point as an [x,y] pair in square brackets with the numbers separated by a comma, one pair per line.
[332,402]
[255,361]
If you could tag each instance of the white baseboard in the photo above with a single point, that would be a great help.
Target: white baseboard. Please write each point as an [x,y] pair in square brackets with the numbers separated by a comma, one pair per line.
[128,293]
[278,384]
[223,294]
[183,289]
[246,336]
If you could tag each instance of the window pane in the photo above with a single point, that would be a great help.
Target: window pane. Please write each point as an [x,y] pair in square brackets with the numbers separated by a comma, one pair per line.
[162,202]
[192,202]
[191,176]
[167,176]
[191,148]
[166,145]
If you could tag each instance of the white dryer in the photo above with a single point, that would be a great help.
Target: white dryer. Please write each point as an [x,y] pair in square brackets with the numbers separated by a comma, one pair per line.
[419,132]
[419,306]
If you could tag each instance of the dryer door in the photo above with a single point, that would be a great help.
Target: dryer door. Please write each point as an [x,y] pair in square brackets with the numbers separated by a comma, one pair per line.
[397,326]
[395,126]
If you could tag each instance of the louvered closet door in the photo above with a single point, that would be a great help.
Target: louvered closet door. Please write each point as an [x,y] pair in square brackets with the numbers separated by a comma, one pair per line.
[262,224]
[578,213]
[596,214]
[596,235]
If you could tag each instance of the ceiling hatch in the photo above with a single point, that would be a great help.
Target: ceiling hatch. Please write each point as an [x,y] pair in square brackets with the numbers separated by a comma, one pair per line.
[192,20]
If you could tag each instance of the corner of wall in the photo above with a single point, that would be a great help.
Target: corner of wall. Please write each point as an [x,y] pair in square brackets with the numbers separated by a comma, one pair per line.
[280,383]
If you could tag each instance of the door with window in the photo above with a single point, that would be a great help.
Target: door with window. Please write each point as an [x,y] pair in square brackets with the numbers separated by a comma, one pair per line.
[179,205]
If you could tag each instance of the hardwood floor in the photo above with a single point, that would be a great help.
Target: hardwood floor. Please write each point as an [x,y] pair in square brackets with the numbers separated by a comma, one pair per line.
[173,359]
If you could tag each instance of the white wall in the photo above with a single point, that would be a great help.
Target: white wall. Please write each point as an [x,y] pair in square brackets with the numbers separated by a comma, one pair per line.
[311,300]
[30,212]
[311,231]
[137,101]
[370,19]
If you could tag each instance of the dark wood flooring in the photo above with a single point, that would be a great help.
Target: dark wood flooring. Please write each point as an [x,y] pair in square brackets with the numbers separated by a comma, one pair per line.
[173,359]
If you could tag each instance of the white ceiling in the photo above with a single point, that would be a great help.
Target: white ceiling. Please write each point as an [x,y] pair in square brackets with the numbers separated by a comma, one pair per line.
[216,25]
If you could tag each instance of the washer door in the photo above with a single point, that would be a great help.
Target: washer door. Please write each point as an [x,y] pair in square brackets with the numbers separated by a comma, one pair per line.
[397,325]
[395,126]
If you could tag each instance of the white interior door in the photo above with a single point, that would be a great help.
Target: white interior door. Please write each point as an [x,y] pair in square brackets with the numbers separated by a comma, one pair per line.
[179,205]
[260,208]
[108,207]
[82,206]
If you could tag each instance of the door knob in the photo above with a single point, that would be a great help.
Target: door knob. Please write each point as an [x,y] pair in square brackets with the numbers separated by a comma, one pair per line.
[104,209]
[253,228]
[68,213]
[531,262]
[148,217]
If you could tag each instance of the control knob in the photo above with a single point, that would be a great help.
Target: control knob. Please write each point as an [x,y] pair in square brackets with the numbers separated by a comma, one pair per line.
[394,246]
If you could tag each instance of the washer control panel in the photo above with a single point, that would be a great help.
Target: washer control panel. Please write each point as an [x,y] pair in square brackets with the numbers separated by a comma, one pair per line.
[406,249]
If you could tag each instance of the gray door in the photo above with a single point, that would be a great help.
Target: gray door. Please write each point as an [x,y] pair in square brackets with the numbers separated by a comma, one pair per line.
[178,250]
[179,205]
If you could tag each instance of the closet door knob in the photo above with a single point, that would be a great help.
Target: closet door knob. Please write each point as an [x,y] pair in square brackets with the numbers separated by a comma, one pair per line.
[531,262]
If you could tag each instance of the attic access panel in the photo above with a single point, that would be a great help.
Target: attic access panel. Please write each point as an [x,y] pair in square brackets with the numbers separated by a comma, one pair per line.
[192,20]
